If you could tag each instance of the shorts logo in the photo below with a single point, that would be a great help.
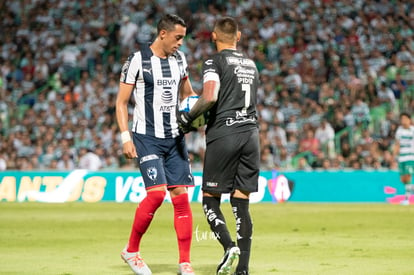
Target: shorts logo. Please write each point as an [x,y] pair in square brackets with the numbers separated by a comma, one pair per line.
[152,173]
[211,184]
[148,158]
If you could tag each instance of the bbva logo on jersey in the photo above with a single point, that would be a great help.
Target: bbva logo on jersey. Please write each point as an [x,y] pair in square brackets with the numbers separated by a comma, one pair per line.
[166,82]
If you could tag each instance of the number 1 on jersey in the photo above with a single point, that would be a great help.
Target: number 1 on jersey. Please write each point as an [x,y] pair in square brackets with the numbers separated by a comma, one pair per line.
[246,89]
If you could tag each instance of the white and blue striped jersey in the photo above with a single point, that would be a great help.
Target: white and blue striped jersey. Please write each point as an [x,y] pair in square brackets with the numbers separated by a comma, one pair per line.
[406,140]
[157,82]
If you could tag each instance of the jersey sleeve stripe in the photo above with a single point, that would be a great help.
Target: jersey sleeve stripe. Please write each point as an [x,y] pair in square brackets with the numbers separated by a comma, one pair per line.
[134,66]
[210,76]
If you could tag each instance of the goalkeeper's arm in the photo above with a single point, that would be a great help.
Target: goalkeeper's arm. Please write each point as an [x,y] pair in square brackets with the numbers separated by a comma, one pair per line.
[208,96]
[207,99]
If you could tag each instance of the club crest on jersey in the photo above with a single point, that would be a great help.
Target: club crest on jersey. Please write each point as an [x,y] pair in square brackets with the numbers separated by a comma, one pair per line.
[124,70]
[152,173]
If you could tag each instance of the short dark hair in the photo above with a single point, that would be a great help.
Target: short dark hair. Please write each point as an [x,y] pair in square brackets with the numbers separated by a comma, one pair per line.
[406,114]
[169,21]
[227,25]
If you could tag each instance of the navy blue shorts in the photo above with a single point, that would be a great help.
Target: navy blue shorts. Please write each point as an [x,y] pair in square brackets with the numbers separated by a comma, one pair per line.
[163,161]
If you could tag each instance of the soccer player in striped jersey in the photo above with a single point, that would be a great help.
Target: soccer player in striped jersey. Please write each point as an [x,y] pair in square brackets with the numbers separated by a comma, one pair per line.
[157,76]
[404,150]
[232,158]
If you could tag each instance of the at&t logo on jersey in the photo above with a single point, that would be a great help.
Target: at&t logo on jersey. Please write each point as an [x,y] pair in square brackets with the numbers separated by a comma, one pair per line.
[167,108]
[167,96]
[167,99]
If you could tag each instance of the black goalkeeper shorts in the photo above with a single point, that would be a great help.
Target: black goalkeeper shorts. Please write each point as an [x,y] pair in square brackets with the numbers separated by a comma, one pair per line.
[232,162]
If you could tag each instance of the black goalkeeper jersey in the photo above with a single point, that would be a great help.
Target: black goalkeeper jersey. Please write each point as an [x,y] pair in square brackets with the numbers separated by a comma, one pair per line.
[235,109]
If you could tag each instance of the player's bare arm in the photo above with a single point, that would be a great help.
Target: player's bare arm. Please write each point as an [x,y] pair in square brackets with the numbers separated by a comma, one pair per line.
[186,89]
[184,119]
[122,100]
[396,148]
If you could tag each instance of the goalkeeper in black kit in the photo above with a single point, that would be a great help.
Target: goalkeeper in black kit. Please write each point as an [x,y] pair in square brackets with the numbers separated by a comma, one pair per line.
[232,158]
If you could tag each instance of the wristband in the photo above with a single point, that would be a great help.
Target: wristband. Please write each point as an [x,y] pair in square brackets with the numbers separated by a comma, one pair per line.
[125,137]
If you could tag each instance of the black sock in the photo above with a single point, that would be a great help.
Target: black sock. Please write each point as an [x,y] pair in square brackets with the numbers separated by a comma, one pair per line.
[244,228]
[211,207]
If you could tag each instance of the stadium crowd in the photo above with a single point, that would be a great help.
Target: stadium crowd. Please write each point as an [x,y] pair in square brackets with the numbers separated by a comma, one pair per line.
[334,77]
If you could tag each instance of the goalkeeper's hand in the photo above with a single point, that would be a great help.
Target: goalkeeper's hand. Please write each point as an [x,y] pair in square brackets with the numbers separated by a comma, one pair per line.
[184,121]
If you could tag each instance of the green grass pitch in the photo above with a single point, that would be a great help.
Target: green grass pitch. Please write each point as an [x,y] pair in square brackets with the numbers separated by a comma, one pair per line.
[289,238]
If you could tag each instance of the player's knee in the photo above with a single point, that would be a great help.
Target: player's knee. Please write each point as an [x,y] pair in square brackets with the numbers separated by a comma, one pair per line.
[240,194]
[181,199]
[156,197]
[176,191]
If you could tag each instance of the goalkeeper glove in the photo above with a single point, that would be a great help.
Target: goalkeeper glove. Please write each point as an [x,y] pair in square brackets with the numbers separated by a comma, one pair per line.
[184,121]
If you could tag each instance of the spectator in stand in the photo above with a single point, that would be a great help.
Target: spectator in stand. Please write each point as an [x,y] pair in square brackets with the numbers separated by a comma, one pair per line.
[3,161]
[89,160]
[283,160]
[360,113]
[277,131]
[326,164]
[65,162]
[293,80]
[325,134]
[303,165]
[147,31]
[292,126]
[317,162]
[127,33]
[371,91]
[292,144]
[398,86]
[386,96]
[266,159]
